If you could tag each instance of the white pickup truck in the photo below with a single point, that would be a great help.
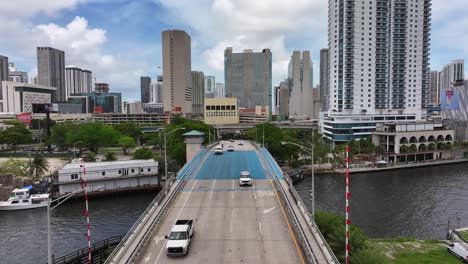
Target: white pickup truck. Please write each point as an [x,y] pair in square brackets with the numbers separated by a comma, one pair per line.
[180,237]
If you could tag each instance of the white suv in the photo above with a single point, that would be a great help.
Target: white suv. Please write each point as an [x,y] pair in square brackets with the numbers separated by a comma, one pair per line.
[245,178]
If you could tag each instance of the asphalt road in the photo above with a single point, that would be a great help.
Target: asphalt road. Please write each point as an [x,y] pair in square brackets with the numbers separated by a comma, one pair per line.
[233,224]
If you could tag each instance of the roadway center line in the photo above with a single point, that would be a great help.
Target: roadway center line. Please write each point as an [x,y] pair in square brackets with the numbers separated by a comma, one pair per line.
[253,190]
[212,187]
[260,227]
[178,215]
[232,193]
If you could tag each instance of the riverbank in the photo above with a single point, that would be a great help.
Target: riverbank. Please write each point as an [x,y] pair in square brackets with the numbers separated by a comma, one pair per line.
[400,166]
[409,251]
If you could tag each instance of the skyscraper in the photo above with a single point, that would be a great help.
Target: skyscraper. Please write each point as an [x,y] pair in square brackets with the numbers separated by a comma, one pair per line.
[219,91]
[300,74]
[145,84]
[198,91]
[4,71]
[86,81]
[156,92]
[435,88]
[77,81]
[284,98]
[51,70]
[177,71]
[247,76]
[452,72]
[210,83]
[379,56]
[324,79]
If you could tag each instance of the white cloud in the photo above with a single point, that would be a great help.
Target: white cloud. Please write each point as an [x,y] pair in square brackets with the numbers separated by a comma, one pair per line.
[28,8]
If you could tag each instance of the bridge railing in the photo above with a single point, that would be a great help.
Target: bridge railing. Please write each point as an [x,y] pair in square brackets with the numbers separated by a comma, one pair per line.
[298,228]
[183,174]
[77,255]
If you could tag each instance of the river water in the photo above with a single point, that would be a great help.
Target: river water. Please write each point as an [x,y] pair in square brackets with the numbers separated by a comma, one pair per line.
[412,202]
[23,234]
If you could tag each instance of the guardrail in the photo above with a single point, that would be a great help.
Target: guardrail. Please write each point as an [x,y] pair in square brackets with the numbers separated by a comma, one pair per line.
[307,248]
[305,212]
[142,220]
[77,255]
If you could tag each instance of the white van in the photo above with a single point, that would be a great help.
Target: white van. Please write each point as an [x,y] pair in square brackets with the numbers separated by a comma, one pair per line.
[460,250]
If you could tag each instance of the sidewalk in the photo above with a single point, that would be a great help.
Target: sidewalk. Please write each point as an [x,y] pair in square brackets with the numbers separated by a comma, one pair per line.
[405,166]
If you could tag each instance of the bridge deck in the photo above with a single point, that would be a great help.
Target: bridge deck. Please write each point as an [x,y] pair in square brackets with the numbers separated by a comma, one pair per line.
[233,224]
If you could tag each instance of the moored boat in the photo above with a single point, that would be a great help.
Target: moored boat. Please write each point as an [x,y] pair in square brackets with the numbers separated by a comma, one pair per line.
[21,199]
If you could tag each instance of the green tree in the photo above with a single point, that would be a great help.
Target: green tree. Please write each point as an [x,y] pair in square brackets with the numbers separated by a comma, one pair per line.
[431,147]
[15,167]
[90,156]
[129,129]
[143,153]
[332,227]
[110,156]
[413,148]
[126,143]
[440,145]
[403,148]
[94,135]
[59,135]
[15,135]
[39,166]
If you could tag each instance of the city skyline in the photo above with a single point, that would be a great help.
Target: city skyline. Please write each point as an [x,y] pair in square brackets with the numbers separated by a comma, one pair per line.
[120,50]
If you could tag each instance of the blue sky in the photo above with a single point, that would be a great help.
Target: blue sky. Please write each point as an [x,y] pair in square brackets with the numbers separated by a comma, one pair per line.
[120,40]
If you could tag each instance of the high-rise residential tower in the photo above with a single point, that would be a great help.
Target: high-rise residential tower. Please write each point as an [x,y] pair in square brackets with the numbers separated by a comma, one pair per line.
[4,71]
[177,71]
[300,74]
[247,76]
[198,91]
[210,83]
[77,81]
[435,88]
[379,56]
[51,70]
[145,86]
[324,79]
[452,72]
[219,91]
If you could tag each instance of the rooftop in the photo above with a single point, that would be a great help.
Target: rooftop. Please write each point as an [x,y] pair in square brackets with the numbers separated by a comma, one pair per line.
[194,133]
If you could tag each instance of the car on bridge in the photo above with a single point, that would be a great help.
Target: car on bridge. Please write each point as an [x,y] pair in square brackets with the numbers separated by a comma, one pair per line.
[179,239]
[245,178]
[240,143]
[218,150]
[230,148]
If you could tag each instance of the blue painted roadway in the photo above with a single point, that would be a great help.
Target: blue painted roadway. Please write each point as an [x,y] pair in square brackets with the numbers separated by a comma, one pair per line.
[229,165]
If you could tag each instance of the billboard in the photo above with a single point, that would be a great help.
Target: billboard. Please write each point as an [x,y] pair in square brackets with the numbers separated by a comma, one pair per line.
[449,100]
[24,118]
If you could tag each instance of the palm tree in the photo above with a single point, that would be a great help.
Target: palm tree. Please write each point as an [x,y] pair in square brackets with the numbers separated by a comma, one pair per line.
[39,166]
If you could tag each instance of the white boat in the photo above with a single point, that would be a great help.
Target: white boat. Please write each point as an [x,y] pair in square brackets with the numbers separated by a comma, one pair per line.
[21,199]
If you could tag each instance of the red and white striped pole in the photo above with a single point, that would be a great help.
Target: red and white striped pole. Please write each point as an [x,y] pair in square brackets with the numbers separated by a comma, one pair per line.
[348,196]
[88,234]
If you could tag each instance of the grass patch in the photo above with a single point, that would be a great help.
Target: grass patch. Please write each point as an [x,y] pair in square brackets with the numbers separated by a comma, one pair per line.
[464,235]
[410,251]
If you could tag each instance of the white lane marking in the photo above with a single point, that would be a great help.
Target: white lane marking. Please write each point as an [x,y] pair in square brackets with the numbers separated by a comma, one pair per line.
[148,257]
[232,193]
[253,190]
[260,228]
[178,215]
[268,210]
[157,239]
[212,187]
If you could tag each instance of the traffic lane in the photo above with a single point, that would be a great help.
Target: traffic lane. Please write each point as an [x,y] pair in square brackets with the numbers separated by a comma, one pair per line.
[227,230]
[229,165]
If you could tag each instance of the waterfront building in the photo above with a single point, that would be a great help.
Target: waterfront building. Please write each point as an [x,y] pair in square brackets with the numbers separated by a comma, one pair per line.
[413,141]
[145,87]
[177,69]
[379,63]
[221,111]
[300,74]
[324,79]
[19,97]
[51,70]
[198,91]
[248,77]
[109,176]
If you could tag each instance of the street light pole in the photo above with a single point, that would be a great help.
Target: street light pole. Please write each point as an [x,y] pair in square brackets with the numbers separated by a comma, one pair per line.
[165,147]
